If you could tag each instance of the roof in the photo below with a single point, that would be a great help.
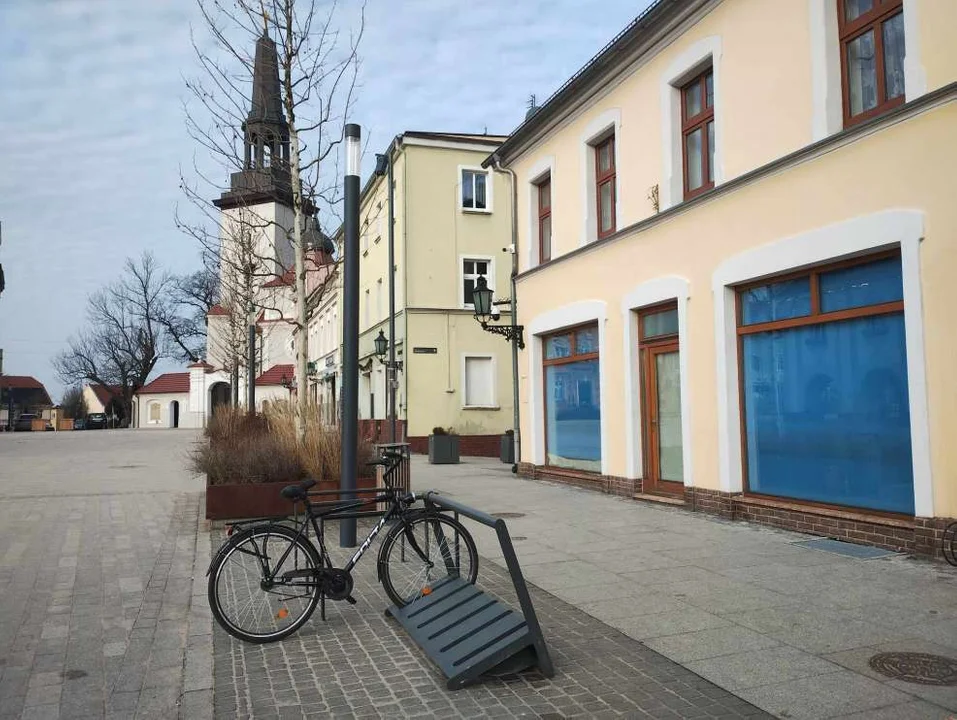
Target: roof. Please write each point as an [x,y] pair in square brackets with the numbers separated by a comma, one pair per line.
[105,393]
[274,375]
[287,278]
[217,309]
[457,137]
[21,382]
[27,383]
[177,382]
[643,28]
[201,364]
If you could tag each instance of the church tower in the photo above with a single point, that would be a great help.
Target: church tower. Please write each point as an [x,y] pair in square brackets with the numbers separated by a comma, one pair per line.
[259,198]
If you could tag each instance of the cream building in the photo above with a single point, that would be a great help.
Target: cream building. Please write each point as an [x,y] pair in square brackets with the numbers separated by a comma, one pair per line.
[452,224]
[753,241]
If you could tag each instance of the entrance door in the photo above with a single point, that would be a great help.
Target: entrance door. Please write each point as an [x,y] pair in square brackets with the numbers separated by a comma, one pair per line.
[661,402]
[174,414]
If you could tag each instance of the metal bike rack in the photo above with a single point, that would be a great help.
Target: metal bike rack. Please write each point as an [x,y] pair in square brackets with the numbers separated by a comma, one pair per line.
[465,631]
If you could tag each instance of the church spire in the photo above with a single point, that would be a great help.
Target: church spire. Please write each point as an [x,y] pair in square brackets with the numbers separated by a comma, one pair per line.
[265,130]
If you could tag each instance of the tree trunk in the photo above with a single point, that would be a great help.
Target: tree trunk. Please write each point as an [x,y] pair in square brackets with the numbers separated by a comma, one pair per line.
[302,343]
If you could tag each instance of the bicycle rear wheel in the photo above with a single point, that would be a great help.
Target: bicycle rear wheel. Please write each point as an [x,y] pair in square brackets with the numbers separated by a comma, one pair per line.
[242,598]
[421,552]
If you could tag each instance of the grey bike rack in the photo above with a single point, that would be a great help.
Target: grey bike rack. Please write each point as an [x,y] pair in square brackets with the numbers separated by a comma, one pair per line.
[467,632]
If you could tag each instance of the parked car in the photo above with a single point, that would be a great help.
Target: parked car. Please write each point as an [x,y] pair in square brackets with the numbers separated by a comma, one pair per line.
[96,421]
[79,423]
[25,422]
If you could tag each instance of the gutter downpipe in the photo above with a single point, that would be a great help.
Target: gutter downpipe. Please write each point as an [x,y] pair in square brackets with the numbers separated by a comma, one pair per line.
[517,433]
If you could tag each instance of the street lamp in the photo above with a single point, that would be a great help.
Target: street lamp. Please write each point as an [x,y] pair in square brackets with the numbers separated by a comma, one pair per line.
[483,305]
[382,346]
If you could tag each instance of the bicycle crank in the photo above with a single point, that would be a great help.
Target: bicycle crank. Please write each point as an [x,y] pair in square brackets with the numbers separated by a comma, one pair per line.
[336,584]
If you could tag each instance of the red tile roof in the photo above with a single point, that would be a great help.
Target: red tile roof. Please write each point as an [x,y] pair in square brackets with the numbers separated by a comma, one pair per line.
[217,309]
[287,278]
[105,393]
[21,382]
[166,383]
[273,376]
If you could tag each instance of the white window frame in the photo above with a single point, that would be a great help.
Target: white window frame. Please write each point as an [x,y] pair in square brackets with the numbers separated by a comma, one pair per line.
[482,356]
[379,314]
[543,167]
[827,115]
[149,412]
[855,237]
[693,61]
[599,129]
[490,277]
[488,189]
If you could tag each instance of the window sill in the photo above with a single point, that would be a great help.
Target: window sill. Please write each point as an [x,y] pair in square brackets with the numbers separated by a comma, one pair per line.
[475,211]
[865,516]
[481,407]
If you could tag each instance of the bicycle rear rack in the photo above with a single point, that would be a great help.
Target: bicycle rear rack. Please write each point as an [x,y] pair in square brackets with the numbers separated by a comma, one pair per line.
[467,632]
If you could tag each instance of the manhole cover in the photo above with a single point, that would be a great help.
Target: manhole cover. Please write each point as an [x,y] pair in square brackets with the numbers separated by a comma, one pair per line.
[74,674]
[125,467]
[508,515]
[919,668]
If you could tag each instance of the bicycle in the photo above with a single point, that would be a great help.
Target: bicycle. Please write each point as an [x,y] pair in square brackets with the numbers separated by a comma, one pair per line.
[266,580]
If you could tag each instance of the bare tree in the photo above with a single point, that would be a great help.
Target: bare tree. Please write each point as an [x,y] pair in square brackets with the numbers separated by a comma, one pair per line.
[274,123]
[130,327]
[73,403]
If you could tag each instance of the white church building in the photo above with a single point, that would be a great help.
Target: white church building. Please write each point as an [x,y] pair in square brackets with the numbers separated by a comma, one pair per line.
[256,225]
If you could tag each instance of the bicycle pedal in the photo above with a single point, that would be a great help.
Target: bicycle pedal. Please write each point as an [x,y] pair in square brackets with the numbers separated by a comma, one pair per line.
[351,600]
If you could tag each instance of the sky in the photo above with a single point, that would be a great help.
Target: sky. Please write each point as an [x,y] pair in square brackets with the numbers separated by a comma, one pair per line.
[93,135]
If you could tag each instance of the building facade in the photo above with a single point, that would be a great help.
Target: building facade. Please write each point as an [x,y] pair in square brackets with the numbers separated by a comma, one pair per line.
[452,223]
[752,233]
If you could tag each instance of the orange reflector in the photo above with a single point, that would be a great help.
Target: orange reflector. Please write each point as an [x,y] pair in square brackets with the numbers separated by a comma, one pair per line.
[282,613]
[426,590]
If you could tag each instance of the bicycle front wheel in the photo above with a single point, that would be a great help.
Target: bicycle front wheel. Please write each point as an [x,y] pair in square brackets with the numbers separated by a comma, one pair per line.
[423,551]
[262,585]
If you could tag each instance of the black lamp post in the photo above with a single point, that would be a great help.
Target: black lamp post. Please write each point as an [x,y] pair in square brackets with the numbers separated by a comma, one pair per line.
[382,346]
[483,303]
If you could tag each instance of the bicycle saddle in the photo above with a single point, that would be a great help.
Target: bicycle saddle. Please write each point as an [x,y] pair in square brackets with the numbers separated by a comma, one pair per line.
[297,492]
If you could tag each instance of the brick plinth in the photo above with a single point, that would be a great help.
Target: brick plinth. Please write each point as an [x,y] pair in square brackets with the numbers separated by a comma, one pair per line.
[919,536]
[469,445]
[608,484]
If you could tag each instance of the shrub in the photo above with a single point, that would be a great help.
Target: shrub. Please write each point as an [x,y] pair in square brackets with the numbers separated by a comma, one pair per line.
[242,448]
[439,431]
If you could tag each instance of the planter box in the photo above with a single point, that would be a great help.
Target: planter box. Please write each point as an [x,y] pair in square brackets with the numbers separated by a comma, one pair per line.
[443,449]
[65,424]
[247,501]
[507,452]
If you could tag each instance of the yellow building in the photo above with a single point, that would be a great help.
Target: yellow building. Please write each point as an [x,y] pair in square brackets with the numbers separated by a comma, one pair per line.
[737,230]
[452,224]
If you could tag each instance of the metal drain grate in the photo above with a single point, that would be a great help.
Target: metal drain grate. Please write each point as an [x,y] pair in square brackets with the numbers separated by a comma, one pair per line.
[508,515]
[838,547]
[919,668]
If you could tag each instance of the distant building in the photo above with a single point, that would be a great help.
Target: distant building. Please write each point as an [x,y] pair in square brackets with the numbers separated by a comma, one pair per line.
[106,399]
[22,394]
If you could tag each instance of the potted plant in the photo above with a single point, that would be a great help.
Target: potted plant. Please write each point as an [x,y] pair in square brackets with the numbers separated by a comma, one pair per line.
[443,447]
[507,450]
[247,459]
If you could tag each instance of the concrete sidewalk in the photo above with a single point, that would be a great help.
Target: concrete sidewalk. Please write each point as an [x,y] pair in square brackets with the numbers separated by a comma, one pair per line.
[787,628]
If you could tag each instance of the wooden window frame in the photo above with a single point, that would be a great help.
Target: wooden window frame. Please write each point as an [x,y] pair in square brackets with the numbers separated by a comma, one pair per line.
[573,357]
[603,178]
[873,20]
[690,125]
[815,317]
[544,213]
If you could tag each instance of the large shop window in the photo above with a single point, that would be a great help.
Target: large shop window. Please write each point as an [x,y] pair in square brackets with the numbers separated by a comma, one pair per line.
[573,400]
[824,387]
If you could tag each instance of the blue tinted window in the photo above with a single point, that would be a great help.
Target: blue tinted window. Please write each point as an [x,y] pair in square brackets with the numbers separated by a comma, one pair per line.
[586,341]
[826,414]
[573,415]
[870,284]
[776,301]
[558,346]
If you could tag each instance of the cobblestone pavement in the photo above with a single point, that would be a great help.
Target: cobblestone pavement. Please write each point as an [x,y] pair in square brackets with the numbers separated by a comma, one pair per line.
[95,581]
[360,664]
